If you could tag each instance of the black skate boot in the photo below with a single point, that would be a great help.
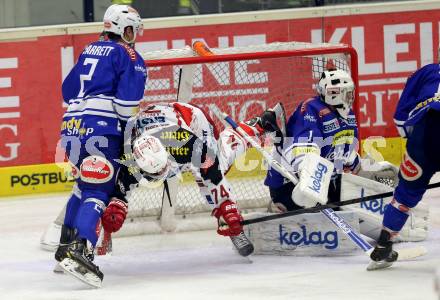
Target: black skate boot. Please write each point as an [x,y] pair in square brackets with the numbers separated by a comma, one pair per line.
[383,254]
[78,262]
[67,236]
[242,244]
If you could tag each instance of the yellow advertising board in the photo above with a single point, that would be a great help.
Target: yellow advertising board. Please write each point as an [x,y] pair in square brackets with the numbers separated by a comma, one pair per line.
[32,179]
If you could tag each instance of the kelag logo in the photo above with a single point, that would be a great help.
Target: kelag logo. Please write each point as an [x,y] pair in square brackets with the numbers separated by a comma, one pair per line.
[317,177]
[375,206]
[329,238]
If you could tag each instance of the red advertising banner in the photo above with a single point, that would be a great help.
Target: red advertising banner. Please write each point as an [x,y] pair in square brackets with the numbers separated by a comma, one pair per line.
[390,47]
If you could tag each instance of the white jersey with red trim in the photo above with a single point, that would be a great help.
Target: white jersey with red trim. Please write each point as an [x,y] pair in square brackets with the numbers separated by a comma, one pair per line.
[193,144]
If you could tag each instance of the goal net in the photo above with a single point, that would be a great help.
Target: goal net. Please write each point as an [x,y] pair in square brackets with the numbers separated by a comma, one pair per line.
[243,82]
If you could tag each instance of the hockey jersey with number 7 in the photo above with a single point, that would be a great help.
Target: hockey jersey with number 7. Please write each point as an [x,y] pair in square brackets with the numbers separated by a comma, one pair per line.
[103,90]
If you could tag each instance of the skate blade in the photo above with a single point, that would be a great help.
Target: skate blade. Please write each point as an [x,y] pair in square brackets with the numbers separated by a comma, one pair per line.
[71,267]
[377,265]
[58,269]
[403,254]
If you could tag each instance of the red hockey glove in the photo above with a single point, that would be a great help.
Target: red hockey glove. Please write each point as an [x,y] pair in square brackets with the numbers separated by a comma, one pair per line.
[114,215]
[228,219]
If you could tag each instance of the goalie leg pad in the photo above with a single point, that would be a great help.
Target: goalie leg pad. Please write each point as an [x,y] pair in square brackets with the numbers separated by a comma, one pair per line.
[310,234]
[51,237]
[371,213]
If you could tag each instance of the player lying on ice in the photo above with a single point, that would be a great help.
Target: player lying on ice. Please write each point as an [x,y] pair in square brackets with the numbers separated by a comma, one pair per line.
[326,125]
[167,139]
[417,118]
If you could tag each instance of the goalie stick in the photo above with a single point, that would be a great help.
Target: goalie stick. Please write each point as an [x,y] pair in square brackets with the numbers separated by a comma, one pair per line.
[325,209]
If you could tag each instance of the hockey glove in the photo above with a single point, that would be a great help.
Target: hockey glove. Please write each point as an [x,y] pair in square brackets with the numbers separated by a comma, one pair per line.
[229,219]
[114,215]
[383,171]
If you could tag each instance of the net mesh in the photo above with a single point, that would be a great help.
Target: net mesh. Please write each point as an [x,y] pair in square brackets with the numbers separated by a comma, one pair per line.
[243,88]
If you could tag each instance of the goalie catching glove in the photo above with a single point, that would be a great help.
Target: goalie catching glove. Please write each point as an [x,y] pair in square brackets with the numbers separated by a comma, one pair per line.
[382,171]
[114,216]
[229,219]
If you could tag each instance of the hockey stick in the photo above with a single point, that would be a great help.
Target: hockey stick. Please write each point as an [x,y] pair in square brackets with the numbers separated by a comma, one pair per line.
[327,211]
[329,205]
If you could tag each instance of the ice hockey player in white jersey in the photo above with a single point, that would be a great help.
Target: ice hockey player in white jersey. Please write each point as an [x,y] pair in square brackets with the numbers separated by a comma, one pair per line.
[170,138]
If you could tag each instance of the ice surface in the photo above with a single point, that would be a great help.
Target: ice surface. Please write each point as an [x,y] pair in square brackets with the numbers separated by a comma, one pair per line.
[199,265]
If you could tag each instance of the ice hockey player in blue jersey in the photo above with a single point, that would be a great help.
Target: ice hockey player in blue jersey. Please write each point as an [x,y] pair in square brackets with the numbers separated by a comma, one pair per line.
[325,125]
[417,118]
[102,91]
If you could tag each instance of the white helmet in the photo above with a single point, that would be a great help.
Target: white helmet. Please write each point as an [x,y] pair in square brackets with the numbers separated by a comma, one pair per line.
[337,89]
[151,156]
[117,17]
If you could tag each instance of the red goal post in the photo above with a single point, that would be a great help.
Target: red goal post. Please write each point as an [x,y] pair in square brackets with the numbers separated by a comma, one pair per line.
[243,81]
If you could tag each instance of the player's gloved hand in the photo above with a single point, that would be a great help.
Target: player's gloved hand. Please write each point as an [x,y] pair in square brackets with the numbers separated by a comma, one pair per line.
[387,170]
[268,121]
[114,215]
[228,218]
[382,171]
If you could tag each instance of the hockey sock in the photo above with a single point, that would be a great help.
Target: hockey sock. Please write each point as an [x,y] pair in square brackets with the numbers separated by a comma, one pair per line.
[87,218]
[71,210]
[395,216]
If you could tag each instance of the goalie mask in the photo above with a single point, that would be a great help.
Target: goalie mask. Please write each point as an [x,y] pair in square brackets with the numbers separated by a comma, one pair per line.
[336,88]
[152,157]
[118,17]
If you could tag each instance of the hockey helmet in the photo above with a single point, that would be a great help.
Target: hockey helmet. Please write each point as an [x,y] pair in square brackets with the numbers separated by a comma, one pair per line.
[117,17]
[336,88]
[151,156]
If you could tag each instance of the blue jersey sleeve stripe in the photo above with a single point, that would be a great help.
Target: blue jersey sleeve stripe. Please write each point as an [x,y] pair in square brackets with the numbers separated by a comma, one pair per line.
[122,117]
[92,113]
[399,122]
[132,104]
[92,109]
[126,102]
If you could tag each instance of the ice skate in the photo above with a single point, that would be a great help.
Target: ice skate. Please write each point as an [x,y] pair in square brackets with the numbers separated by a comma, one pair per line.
[78,262]
[383,255]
